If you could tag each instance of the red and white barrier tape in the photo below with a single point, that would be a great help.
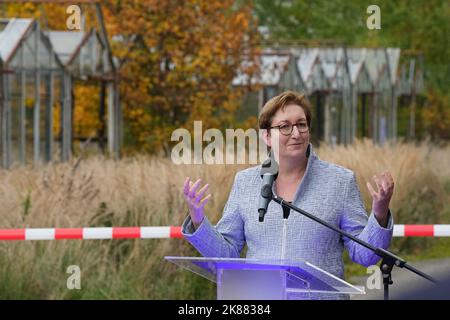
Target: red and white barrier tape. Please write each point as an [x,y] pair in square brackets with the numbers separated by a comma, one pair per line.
[422,230]
[91,233]
[400,230]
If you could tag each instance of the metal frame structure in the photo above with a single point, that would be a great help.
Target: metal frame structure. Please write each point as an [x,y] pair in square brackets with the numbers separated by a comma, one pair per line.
[347,84]
[278,73]
[312,73]
[411,83]
[30,65]
[85,56]
[36,61]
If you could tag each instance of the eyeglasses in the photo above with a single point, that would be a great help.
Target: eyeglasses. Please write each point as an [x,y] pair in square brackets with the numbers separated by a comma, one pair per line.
[287,128]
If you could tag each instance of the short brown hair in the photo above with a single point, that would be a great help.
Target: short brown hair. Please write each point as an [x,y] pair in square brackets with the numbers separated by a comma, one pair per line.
[280,102]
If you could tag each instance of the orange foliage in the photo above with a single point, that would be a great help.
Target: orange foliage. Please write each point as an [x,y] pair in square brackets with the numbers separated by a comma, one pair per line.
[86,120]
[179,59]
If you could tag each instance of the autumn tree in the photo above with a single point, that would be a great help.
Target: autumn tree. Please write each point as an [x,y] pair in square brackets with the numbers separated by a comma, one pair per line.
[177,62]
[180,58]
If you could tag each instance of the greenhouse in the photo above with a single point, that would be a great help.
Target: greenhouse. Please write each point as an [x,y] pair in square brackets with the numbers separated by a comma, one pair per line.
[354,92]
[33,82]
[38,72]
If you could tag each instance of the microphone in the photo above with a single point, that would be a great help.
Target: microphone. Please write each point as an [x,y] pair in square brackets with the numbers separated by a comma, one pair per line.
[269,173]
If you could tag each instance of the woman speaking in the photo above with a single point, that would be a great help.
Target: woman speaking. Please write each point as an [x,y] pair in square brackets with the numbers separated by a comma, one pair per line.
[323,189]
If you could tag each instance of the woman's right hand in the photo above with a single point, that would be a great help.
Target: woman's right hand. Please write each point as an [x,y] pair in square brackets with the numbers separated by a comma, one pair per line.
[194,199]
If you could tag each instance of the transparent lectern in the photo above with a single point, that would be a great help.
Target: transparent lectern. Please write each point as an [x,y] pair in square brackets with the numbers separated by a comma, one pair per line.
[264,279]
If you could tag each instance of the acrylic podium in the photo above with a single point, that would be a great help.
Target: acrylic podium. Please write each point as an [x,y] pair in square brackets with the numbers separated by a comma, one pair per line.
[258,279]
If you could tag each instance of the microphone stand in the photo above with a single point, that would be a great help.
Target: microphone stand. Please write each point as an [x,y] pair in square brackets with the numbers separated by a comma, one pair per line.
[389,260]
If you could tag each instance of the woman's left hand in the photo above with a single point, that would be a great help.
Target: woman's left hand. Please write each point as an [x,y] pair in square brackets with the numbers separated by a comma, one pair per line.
[381,199]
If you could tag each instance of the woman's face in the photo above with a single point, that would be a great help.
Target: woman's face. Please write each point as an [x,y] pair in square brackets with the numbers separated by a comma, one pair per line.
[293,145]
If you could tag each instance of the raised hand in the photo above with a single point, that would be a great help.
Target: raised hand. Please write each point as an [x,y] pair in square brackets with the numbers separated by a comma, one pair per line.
[194,199]
[382,197]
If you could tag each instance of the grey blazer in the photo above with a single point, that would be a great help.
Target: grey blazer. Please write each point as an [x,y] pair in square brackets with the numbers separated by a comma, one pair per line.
[327,190]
